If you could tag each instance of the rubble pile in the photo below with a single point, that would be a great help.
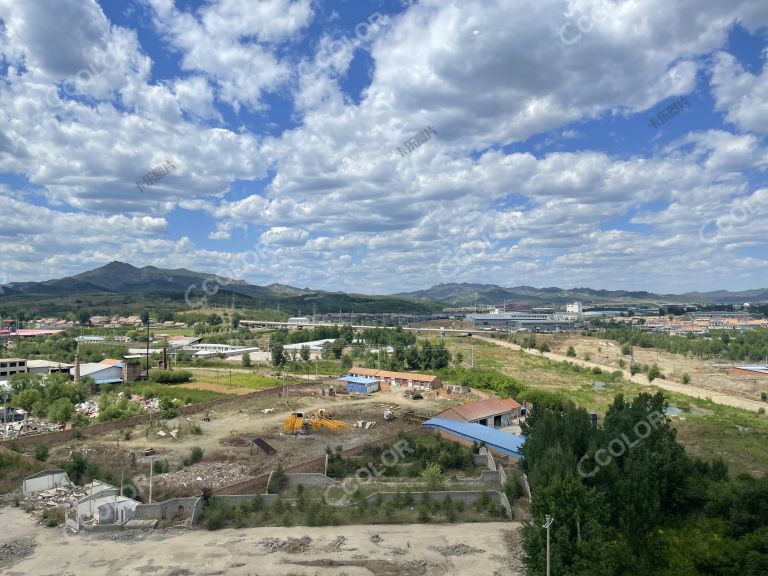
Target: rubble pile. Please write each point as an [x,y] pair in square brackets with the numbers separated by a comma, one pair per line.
[15,550]
[335,545]
[290,545]
[456,550]
[205,475]
[28,426]
[65,496]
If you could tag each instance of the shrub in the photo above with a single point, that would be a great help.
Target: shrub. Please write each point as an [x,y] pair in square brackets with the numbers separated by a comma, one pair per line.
[42,452]
[53,516]
[686,378]
[170,376]
[433,476]
[596,370]
[277,481]
[196,429]
[160,466]
[571,353]
[195,456]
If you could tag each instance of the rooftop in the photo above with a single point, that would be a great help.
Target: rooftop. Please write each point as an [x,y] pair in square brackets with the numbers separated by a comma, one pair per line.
[483,409]
[388,374]
[497,440]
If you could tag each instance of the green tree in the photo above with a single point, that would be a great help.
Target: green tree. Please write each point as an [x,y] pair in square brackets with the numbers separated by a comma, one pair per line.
[433,476]
[42,452]
[278,355]
[346,362]
[144,317]
[654,372]
[26,399]
[61,411]
[246,360]
[305,353]
[571,353]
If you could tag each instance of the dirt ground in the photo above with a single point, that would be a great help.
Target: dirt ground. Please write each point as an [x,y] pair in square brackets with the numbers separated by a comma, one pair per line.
[225,439]
[381,550]
[702,372]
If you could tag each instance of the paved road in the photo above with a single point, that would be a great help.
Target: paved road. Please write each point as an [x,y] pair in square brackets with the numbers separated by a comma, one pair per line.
[687,389]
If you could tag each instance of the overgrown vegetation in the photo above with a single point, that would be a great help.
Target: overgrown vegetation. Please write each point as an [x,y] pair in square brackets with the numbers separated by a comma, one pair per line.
[170,376]
[645,507]
[747,346]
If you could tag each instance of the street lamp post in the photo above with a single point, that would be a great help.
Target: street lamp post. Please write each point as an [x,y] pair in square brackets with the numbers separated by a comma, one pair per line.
[547,524]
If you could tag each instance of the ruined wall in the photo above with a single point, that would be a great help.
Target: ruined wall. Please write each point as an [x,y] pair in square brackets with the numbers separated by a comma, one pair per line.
[168,510]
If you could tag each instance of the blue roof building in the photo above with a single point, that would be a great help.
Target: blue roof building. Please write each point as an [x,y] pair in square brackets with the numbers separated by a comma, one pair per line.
[361,384]
[496,440]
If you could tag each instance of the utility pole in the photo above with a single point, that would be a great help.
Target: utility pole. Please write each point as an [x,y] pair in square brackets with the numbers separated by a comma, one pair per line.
[147,346]
[547,524]
[151,468]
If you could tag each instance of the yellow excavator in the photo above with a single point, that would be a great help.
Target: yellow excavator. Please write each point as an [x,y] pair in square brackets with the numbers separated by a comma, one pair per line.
[299,421]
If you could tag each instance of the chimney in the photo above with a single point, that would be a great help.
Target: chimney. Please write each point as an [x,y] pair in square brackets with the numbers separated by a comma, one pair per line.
[77,368]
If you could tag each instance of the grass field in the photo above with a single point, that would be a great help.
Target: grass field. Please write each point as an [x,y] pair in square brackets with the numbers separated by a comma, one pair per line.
[708,430]
[223,378]
[212,387]
[170,391]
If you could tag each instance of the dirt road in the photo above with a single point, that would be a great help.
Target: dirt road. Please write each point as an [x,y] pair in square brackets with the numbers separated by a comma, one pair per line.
[687,389]
[381,550]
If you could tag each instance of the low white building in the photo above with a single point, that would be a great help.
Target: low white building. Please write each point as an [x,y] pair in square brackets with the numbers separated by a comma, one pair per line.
[45,480]
[101,373]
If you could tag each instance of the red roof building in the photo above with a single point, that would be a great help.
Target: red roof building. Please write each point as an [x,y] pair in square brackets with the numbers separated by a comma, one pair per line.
[492,412]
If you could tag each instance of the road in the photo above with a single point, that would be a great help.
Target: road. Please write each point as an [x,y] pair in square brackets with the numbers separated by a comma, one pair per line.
[687,389]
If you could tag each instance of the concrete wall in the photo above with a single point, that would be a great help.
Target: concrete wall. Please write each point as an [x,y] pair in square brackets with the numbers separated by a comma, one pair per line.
[466,496]
[236,499]
[310,479]
[168,510]
[32,485]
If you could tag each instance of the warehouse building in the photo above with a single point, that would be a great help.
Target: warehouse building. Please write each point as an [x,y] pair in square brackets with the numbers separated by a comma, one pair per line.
[399,379]
[470,434]
[361,384]
[761,371]
[513,321]
[491,412]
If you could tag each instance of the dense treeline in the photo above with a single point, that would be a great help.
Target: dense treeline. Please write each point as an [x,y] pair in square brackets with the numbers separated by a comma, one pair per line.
[627,500]
[53,397]
[421,356]
[751,345]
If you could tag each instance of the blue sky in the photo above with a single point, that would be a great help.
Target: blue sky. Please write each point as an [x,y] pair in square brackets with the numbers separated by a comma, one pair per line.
[283,120]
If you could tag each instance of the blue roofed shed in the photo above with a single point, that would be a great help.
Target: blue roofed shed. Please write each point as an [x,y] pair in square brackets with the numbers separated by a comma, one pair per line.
[361,384]
[496,440]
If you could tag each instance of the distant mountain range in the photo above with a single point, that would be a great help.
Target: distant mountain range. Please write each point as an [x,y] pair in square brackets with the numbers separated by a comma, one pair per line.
[120,284]
[465,294]
[119,278]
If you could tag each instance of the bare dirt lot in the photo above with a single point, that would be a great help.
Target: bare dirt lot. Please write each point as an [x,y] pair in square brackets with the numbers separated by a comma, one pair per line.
[226,439]
[703,373]
[382,550]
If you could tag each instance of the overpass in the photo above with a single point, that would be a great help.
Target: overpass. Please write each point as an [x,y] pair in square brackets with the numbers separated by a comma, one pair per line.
[275,325]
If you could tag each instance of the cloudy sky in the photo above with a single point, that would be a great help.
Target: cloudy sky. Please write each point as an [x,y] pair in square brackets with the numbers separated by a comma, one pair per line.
[553,161]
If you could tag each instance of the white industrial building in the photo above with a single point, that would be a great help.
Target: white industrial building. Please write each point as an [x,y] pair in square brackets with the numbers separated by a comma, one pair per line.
[513,321]
[101,373]
[574,308]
